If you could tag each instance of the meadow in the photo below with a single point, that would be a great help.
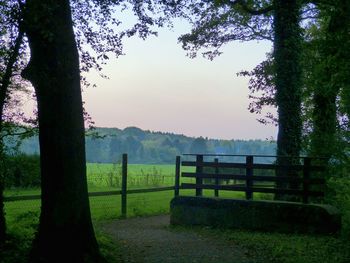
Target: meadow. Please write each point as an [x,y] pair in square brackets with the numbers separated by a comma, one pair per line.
[107,177]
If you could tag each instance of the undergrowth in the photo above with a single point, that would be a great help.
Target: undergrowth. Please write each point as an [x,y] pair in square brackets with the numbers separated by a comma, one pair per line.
[263,247]
[21,233]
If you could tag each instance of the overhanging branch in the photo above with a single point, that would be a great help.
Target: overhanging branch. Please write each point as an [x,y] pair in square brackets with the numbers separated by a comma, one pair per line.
[243,4]
[5,82]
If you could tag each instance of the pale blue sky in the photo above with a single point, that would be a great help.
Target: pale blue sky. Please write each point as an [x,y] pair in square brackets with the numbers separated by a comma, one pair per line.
[156,87]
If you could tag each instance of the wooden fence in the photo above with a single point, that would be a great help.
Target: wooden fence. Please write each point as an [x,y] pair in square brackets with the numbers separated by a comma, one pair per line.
[304,182]
[124,192]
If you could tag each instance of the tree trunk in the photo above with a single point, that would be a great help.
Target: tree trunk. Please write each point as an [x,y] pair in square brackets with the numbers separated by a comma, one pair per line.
[65,231]
[287,50]
[324,119]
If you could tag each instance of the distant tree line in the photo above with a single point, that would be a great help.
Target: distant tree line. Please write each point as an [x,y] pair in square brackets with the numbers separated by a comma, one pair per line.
[155,147]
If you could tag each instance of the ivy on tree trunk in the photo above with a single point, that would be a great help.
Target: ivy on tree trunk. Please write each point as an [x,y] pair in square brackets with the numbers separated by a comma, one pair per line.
[288,81]
[65,231]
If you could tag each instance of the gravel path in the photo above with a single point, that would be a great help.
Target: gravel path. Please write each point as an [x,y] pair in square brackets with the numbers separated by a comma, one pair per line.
[151,240]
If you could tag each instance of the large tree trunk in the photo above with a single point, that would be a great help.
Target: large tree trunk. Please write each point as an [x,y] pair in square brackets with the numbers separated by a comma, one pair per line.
[287,50]
[65,231]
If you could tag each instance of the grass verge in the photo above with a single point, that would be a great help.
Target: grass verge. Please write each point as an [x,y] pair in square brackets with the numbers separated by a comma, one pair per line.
[263,247]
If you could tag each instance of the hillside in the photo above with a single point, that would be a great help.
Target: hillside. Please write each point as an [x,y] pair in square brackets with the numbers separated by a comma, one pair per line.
[107,144]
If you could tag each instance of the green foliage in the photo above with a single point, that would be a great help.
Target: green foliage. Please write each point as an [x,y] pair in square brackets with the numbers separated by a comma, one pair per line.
[20,235]
[22,171]
[339,196]
[278,248]
[199,145]
[216,23]
[109,249]
[288,75]
[262,90]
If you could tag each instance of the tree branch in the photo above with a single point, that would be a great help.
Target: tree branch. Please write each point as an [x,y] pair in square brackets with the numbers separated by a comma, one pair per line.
[28,132]
[5,82]
[246,8]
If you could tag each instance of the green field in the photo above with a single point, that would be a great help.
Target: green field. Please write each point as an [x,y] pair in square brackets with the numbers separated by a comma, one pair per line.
[107,177]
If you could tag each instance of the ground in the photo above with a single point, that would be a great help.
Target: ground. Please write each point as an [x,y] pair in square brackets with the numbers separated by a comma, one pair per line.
[153,240]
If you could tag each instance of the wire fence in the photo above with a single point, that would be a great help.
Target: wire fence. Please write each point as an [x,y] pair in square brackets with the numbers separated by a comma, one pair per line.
[149,189]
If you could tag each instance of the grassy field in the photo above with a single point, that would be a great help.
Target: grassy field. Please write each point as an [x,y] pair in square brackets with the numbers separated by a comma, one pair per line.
[107,177]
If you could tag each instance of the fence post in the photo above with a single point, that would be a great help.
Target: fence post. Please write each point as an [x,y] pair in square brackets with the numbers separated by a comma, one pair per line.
[306,177]
[124,183]
[216,160]
[177,175]
[249,174]
[199,170]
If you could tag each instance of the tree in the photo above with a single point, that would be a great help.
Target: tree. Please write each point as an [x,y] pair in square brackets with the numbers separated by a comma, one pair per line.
[219,22]
[329,79]
[325,61]
[199,146]
[115,147]
[262,90]
[288,81]
[65,231]
[287,50]
[216,23]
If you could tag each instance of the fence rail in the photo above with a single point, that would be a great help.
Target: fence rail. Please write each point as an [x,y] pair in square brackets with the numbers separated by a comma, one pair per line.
[94,194]
[283,174]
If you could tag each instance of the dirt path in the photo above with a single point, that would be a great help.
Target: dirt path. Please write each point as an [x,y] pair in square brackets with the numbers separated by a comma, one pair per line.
[151,240]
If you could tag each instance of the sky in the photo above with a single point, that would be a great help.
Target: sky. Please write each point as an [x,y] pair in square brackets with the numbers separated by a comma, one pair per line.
[156,87]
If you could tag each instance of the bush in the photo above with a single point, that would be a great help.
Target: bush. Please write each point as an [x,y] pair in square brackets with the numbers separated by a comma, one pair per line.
[340,198]
[22,171]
